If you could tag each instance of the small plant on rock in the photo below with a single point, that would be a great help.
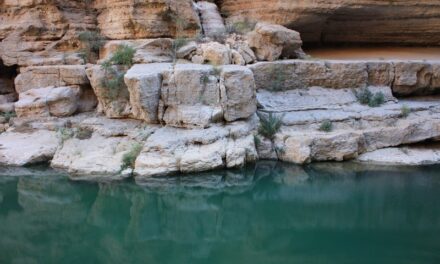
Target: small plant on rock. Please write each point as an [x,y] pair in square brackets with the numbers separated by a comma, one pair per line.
[8,115]
[269,125]
[377,100]
[92,42]
[123,55]
[114,75]
[129,158]
[366,97]
[405,111]
[65,133]
[326,126]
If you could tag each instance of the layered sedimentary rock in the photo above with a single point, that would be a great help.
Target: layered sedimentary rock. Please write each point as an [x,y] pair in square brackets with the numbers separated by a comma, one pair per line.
[42,32]
[46,32]
[129,19]
[405,77]
[171,150]
[345,21]
[188,95]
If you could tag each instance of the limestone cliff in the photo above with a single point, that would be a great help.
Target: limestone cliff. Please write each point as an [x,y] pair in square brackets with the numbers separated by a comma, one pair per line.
[345,21]
[164,86]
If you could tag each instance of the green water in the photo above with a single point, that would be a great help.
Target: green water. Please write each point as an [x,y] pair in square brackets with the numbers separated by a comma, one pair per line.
[268,213]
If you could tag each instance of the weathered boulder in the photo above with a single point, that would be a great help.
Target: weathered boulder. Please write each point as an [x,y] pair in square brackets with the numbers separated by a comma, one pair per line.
[19,149]
[416,78]
[238,95]
[216,53]
[114,101]
[190,95]
[144,83]
[92,157]
[271,42]
[49,101]
[45,76]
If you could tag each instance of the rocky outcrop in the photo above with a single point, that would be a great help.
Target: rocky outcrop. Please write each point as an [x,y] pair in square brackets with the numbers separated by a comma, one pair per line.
[49,101]
[171,150]
[271,42]
[113,101]
[211,20]
[344,21]
[45,76]
[129,19]
[188,95]
[405,77]
[19,149]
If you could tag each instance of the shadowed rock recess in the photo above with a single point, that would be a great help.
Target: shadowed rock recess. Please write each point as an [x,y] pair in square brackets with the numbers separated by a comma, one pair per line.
[206,85]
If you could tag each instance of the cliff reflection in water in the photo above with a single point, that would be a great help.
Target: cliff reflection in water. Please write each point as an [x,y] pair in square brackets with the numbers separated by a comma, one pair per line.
[267,213]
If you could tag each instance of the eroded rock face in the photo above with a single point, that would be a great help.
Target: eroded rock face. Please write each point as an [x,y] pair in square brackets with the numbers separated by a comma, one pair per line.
[49,101]
[97,155]
[171,150]
[271,42]
[416,155]
[191,95]
[406,77]
[113,101]
[19,149]
[39,32]
[130,19]
[44,76]
[344,21]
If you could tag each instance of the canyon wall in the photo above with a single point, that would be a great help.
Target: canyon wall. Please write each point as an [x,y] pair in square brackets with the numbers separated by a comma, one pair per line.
[345,21]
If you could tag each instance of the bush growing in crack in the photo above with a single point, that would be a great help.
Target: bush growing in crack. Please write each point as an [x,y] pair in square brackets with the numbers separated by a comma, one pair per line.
[405,111]
[270,124]
[326,126]
[115,69]
[92,42]
[129,158]
[366,97]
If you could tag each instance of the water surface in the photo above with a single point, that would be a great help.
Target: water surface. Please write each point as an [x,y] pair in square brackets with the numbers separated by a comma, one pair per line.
[267,213]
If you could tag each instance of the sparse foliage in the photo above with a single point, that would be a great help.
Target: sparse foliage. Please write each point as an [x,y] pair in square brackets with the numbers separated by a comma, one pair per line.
[123,55]
[405,111]
[366,97]
[8,115]
[92,42]
[129,158]
[270,124]
[326,126]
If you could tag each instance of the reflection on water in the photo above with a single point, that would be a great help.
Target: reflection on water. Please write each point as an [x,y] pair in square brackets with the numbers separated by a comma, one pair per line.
[267,213]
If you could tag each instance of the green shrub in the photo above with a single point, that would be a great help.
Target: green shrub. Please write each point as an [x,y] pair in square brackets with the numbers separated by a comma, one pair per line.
[377,100]
[123,56]
[92,42]
[8,115]
[113,81]
[83,133]
[405,111]
[269,125]
[65,133]
[129,158]
[257,140]
[366,97]
[326,126]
